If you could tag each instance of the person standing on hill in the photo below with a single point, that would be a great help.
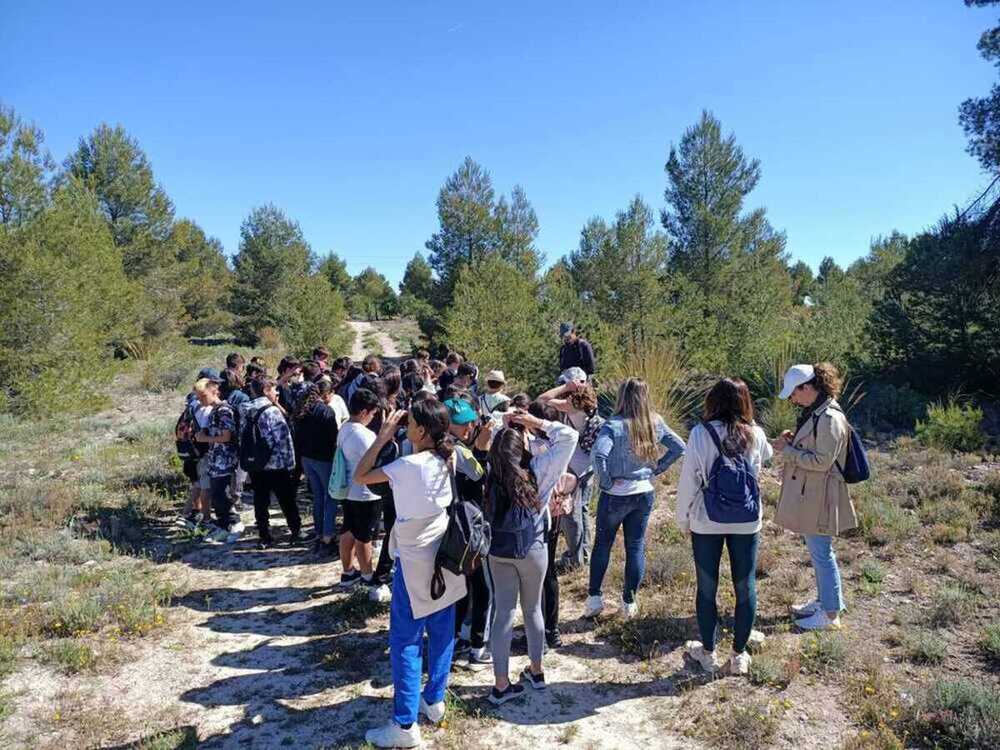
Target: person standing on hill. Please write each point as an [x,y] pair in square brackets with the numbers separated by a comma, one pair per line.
[421,484]
[362,508]
[814,500]
[278,474]
[220,435]
[627,455]
[316,438]
[717,511]
[576,351]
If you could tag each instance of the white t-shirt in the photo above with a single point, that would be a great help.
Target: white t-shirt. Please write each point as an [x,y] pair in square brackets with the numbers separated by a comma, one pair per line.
[354,439]
[421,485]
[340,410]
[203,415]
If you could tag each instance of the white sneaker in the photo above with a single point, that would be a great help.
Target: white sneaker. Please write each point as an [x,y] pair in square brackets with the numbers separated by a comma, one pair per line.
[739,663]
[594,606]
[393,735]
[479,658]
[381,594]
[433,711]
[819,621]
[630,609]
[756,639]
[709,660]
[809,608]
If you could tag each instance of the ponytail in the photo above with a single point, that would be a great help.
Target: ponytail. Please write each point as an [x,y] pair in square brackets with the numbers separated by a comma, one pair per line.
[444,446]
[433,416]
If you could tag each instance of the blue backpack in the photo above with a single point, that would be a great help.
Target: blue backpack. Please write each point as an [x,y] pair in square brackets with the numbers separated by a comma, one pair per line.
[856,467]
[513,533]
[731,494]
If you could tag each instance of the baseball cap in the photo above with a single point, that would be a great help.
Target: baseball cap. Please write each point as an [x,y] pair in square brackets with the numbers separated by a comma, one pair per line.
[797,375]
[495,376]
[210,373]
[460,411]
[565,328]
[572,373]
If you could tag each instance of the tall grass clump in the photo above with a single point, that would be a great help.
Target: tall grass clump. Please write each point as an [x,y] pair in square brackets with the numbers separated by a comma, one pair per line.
[959,714]
[952,426]
[676,395]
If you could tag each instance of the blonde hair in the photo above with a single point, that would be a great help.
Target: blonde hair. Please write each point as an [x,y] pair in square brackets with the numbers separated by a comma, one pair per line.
[636,411]
[203,384]
[826,379]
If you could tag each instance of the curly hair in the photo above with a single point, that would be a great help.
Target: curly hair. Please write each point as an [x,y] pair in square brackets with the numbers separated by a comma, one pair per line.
[584,400]
[827,379]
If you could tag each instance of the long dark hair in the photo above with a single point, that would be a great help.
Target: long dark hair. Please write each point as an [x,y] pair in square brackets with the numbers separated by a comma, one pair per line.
[433,416]
[258,387]
[510,480]
[729,402]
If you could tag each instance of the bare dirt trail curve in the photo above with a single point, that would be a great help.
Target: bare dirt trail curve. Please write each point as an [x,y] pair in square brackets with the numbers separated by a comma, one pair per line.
[363,327]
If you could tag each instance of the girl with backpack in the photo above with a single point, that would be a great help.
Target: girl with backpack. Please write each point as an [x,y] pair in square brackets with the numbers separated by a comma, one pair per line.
[814,499]
[422,486]
[576,400]
[316,428]
[527,458]
[718,503]
[632,448]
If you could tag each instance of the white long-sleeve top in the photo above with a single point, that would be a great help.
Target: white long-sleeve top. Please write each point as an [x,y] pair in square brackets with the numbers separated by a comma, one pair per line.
[699,456]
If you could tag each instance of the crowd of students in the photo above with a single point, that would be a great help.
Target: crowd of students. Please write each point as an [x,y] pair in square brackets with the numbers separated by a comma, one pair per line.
[385,450]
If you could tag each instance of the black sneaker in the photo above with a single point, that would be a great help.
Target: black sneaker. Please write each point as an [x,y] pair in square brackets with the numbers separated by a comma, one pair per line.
[265,543]
[537,681]
[350,579]
[461,648]
[499,697]
[553,639]
[295,539]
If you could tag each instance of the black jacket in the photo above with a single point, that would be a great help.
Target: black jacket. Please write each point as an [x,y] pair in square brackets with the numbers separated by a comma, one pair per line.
[577,354]
[316,433]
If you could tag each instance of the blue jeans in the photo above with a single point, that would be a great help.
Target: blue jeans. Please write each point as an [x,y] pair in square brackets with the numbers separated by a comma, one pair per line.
[324,507]
[406,641]
[828,589]
[743,564]
[631,512]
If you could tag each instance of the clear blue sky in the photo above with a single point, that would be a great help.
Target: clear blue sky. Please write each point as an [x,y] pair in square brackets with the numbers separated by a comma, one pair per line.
[349,116]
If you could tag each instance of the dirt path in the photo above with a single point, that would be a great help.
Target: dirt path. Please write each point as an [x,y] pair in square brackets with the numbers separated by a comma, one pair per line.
[363,327]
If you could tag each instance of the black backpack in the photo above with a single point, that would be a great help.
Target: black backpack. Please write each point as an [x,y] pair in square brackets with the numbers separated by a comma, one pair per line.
[188,449]
[856,467]
[465,543]
[255,451]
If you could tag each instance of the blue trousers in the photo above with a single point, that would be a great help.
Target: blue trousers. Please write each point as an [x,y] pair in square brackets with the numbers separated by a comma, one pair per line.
[324,506]
[406,645]
[828,588]
[743,565]
[631,512]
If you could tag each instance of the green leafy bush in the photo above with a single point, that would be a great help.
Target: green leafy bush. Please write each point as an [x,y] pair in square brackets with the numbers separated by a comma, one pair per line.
[952,427]
[989,642]
[924,647]
[960,714]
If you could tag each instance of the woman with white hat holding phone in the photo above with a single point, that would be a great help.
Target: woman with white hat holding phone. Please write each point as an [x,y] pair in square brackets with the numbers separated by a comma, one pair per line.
[814,499]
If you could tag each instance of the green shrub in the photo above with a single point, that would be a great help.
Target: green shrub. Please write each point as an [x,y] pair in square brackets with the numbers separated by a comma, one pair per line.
[774,670]
[989,642]
[890,406]
[823,651]
[960,714]
[746,725]
[69,655]
[952,427]
[880,518]
[924,647]
[949,605]
[872,571]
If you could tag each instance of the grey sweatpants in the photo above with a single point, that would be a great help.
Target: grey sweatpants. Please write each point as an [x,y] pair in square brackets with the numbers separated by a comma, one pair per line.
[510,578]
[576,526]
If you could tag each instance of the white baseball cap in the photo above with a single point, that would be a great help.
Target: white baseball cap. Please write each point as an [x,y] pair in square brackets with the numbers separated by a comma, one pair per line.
[495,376]
[797,375]
[572,373]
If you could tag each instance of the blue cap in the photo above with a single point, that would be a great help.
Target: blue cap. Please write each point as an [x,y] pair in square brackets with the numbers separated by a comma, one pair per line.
[210,373]
[460,411]
[566,328]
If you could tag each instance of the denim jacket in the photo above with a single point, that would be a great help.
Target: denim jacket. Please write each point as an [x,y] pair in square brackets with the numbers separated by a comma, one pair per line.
[613,457]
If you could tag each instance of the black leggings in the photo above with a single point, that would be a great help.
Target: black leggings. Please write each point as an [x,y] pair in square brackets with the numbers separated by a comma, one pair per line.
[479,597]
[550,585]
[283,485]
[383,570]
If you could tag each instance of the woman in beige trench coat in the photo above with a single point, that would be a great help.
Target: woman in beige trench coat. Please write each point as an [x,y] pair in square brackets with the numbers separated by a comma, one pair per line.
[814,499]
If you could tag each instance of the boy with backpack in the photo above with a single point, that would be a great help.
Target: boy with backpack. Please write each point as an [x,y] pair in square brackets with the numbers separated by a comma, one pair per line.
[718,504]
[220,435]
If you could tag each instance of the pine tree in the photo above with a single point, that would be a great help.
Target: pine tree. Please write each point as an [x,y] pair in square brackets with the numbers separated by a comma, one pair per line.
[25,166]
